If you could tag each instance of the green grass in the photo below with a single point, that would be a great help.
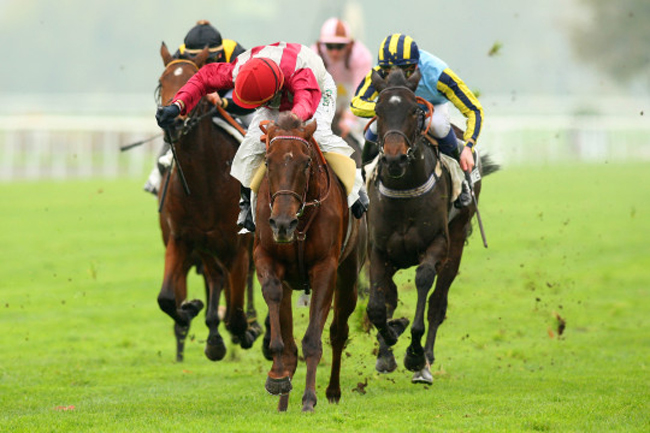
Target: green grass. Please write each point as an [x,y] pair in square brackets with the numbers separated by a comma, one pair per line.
[81,266]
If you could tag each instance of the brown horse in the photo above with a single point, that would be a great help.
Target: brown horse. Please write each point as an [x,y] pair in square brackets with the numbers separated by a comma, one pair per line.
[199,228]
[411,223]
[306,239]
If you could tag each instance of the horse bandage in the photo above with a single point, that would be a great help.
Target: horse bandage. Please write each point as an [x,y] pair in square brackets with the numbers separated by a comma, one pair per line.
[257,178]
[344,167]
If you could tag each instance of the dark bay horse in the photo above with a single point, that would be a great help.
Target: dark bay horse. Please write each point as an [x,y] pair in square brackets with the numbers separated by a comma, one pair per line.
[199,228]
[306,239]
[411,222]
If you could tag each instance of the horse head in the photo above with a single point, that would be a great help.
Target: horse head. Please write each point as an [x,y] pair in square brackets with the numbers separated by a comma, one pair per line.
[288,169]
[399,119]
[177,72]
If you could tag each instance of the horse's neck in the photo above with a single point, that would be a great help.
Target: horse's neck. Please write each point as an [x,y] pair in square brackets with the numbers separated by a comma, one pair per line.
[318,177]
[206,145]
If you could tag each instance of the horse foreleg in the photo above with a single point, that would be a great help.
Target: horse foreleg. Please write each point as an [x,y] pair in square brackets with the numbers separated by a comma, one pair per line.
[424,277]
[215,348]
[438,300]
[173,292]
[383,300]
[290,352]
[345,300]
[278,381]
[323,281]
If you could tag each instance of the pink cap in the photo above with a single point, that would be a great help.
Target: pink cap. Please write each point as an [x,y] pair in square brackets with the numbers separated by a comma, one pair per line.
[335,31]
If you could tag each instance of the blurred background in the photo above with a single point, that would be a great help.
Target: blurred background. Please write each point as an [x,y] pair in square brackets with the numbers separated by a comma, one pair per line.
[560,80]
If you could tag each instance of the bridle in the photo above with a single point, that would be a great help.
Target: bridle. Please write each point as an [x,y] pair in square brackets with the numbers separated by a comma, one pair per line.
[302,198]
[421,130]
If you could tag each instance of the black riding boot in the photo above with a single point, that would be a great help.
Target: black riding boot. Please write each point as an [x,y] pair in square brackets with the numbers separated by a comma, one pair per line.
[245,218]
[361,205]
[465,197]
[369,152]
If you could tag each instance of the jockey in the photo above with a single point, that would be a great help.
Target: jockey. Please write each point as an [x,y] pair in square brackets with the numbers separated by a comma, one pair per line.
[439,85]
[347,60]
[202,35]
[274,78]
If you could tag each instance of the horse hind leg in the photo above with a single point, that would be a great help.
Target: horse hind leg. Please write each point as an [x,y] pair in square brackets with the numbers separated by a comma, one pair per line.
[345,301]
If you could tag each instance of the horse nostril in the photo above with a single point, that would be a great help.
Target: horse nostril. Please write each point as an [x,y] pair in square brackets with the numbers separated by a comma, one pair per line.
[273,224]
[403,158]
[293,224]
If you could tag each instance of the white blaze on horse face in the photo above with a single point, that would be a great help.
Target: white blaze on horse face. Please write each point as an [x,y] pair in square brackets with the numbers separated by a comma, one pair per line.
[178,71]
[395,100]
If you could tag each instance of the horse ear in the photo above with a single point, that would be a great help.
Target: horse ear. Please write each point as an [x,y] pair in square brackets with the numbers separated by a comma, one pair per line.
[310,128]
[377,81]
[164,53]
[414,79]
[202,57]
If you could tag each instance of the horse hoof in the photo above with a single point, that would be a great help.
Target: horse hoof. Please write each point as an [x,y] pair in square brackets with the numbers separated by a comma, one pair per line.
[192,308]
[215,350]
[386,364]
[414,361]
[423,376]
[399,325]
[280,386]
[251,334]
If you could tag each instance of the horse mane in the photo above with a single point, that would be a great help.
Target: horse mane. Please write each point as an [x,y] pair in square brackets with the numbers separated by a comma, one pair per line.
[287,121]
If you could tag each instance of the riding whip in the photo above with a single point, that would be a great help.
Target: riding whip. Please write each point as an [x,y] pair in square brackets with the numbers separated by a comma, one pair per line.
[139,143]
[468,178]
[168,136]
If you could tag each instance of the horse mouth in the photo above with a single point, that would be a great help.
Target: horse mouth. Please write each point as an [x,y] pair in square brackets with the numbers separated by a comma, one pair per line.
[396,171]
[285,238]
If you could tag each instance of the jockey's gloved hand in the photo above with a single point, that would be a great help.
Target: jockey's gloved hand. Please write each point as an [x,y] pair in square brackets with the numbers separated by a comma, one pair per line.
[165,116]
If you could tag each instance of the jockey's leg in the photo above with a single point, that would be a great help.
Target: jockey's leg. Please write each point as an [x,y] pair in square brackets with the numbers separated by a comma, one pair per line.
[440,128]
[332,143]
[249,157]
[162,164]
[245,218]
[370,149]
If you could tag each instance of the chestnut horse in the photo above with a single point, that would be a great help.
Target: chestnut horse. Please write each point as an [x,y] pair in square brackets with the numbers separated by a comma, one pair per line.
[306,238]
[412,222]
[199,228]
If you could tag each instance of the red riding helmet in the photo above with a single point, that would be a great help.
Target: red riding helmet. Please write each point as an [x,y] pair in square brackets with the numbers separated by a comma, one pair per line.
[258,80]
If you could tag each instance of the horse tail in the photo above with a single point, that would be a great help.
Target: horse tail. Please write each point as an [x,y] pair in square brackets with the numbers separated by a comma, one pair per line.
[488,165]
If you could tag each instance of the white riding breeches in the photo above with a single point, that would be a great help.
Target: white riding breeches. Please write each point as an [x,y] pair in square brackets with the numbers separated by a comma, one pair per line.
[440,122]
[250,155]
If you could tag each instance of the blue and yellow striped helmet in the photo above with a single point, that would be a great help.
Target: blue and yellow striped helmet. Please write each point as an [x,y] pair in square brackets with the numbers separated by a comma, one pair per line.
[398,50]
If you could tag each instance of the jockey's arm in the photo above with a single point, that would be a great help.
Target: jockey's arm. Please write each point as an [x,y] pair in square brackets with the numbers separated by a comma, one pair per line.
[363,102]
[210,78]
[465,101]
[306,93]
